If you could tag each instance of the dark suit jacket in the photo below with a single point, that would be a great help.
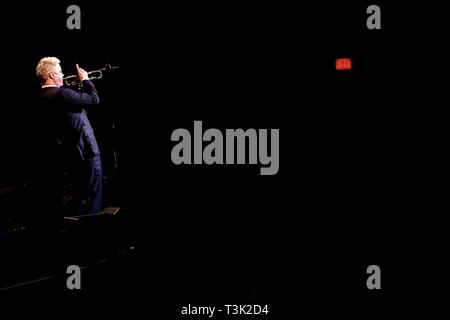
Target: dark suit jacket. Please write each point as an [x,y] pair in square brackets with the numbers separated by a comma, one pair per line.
[75,135]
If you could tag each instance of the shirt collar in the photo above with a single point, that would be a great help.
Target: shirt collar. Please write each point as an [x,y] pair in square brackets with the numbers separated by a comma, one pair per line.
[50,85]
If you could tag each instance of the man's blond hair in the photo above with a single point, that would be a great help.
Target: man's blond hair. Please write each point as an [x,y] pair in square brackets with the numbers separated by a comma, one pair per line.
[45,67]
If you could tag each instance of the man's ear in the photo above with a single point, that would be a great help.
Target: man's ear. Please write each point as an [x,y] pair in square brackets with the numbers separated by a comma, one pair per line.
[51,75]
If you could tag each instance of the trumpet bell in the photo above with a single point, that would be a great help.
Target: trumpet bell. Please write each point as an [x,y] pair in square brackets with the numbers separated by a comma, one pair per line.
[72,80]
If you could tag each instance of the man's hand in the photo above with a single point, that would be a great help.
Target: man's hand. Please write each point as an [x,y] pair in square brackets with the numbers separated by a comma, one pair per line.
[82,74]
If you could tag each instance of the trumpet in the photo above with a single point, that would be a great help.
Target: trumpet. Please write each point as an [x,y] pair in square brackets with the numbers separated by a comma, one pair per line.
[73,81]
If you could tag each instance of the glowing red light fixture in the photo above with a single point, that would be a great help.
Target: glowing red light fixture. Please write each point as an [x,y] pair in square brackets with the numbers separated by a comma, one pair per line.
[344,64]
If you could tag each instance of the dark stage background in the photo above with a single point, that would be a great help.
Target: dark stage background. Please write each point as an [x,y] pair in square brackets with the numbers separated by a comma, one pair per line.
[300,240]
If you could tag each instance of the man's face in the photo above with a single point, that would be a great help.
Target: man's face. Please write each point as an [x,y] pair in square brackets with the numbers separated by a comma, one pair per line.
[57,76]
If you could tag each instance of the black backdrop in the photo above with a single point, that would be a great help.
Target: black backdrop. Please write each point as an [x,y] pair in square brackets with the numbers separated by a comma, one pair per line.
[211,233]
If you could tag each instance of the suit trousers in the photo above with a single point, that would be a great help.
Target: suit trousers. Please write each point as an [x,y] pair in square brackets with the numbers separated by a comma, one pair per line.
[86,194]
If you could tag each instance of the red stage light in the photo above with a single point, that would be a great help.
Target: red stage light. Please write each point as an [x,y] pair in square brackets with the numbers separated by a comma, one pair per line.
[343,64]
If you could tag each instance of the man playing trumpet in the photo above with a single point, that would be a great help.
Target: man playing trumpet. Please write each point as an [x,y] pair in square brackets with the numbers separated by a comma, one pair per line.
[76,142]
